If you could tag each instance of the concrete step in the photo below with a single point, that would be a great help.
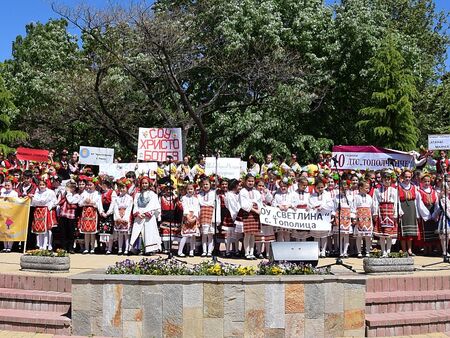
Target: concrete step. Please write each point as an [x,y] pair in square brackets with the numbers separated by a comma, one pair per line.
[42,283]
[407,323]
[35,321]
[21,299]
[408,283]
[400,301]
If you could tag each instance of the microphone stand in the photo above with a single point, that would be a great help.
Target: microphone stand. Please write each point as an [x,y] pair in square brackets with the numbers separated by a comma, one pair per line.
[445,258]
[339,260]
[216,179]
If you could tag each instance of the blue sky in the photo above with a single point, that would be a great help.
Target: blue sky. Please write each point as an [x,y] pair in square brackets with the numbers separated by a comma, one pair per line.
[15,14]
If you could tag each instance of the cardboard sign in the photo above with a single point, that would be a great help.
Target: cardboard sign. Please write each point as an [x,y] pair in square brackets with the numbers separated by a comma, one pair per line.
[28,154]
[439,142]
[96,156]
[226,167]
[299,219]
[118,170]
[155,144]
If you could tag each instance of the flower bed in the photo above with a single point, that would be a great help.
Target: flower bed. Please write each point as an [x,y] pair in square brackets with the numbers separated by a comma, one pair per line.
[394,262]
[209,268]
[45,261]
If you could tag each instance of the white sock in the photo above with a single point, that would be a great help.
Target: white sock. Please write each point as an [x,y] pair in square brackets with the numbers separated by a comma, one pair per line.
[247,244]
[388,245]
[358,244]
[210,243]
[383,244]
[252,245]
[368,241]
[191,245]
[205,243]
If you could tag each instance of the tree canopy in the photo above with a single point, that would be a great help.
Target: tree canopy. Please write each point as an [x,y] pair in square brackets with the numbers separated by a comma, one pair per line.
[243,76]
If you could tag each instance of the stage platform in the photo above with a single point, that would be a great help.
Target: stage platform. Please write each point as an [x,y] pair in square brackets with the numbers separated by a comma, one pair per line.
[10,264]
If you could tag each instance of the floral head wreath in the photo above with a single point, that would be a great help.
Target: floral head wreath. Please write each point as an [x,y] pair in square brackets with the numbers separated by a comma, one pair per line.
[124,181]
[287,180]
[12,179]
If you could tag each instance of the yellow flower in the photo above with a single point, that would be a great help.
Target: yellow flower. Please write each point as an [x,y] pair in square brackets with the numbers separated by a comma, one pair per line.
[275,270]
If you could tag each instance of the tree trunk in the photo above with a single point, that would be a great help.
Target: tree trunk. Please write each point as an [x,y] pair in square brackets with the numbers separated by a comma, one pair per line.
[184,134]
[203,142]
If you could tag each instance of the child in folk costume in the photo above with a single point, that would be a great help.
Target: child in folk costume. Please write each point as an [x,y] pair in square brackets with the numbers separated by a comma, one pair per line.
[44,220]
[301,201]
[386,209]
[122,208]
[444,223]
[7,191]
[430,198]
[364,210]
[91,203]
[146,210]
[283,200]
[106,222]
[344,218]
[68,203]
[229,220]
[321,201]
[266,235]
[209,215]
[251,203]
[171,213]
[413,208]
[189,228]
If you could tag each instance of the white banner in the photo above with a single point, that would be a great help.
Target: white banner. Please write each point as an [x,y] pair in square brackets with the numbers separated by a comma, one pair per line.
[439,142]
[96,156]
[226,167]
[155,144]
[370,157]
[118,170]
[299,219]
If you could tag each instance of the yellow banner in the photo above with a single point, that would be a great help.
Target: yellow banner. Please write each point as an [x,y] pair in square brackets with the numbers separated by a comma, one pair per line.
[14,214]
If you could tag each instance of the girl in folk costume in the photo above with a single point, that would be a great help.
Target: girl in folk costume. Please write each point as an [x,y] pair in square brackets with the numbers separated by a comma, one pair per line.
[184,169]
[68,203]
[271,182]
[131,186]
[106,222]
[230,219]
[122,208]
[283,200]
[220,233]
[266,235]
[91,203]
[354,186]
[321,201]
[146,210]
[385,204]
[44,219]
[7,191]
[251,203]
[444,223]
[189,228]
[198,169]
[343,218]
[171,213]
[300,200]
[413,208]
[209,215]
[430,198]
[364,210]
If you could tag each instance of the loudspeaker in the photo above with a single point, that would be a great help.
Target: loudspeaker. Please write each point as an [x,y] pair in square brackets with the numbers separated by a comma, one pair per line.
[295,252]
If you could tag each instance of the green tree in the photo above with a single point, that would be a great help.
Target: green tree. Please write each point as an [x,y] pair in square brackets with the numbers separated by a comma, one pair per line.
[389,119]
[8,137]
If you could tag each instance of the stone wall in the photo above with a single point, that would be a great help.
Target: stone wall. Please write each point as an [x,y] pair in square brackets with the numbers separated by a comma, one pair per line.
[194,306]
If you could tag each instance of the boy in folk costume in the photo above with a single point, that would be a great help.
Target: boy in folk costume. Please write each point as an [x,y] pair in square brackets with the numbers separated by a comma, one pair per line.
[345,217]
[171,213]
[26,189]
[283,200]
[209,215]
[146,210]
[385,204]
[266,235]
[413,208]
[251,202]
[44,220]
[321,201]
[68,203]
[430,198]
[122,209]
[91,203]
[106,222]
[189,228]
[7,191]
[364,210]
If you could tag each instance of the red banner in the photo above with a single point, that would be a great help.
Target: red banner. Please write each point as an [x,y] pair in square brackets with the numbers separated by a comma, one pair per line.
[28,154]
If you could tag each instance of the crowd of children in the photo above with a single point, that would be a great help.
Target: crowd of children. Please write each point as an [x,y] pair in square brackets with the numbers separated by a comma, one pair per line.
[180,205]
